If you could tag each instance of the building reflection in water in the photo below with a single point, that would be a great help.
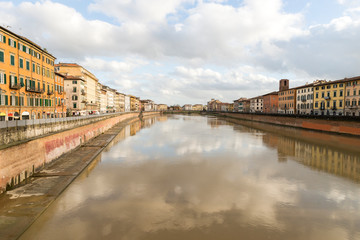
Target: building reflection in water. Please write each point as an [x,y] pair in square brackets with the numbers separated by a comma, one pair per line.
[339,156]
[210,179]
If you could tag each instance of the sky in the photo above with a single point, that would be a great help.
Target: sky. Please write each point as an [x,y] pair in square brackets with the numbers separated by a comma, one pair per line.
[190,51]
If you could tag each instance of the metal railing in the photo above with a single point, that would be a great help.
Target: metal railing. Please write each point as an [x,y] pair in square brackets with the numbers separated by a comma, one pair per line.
[29,122]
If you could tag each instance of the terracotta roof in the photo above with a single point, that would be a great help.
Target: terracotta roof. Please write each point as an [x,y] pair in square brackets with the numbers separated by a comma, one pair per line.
[67,65]
[272,93]
[69,77]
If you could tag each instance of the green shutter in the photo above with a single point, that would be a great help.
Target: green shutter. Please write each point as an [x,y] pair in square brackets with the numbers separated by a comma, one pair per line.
[15,80]
[14,44]
[4,39]
[9,41]
[1,56]
[24,49]
[6,100]
[4,78]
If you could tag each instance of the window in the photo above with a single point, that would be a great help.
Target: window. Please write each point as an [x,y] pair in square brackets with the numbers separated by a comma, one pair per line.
[12,43]
[354,92]
[316,104]
[317,95]
[4,100]
[2,58]
[2,38]
[334,93]
[353,102]
[341,85]
[335,86]
[21,63]
[74,89]
[348,93]
[12,60]
[323,94]
[27,65]
[341,93]
[328,86]
[74,105]
[2,78]
[33,67]
[334,104]
[340,103]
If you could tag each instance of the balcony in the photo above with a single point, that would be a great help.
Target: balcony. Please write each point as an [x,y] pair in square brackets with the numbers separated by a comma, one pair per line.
[16,86]
[83,92]
[34,89]
[50,92]
[327,98]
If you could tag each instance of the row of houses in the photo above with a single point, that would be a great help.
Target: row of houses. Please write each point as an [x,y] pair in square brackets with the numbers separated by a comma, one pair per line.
[32,86]
[321,97]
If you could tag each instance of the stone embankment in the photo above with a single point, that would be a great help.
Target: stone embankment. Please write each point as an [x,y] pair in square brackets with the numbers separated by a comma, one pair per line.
[20,207]
[325,125]
[29,152]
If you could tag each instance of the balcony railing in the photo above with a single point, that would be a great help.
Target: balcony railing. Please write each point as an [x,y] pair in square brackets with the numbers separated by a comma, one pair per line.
[327,98]
[83,92]
[14,85]
[34,89]
[50,92]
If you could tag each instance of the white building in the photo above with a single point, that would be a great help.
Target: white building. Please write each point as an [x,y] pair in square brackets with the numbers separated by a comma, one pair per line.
[127,103]
[256,104]
[305,99]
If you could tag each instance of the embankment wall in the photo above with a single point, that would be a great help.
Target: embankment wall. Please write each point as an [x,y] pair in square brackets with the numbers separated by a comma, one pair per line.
[332,126]
[19,161]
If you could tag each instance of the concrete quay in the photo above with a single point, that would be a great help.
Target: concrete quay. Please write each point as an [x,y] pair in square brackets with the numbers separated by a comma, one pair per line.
[20,207]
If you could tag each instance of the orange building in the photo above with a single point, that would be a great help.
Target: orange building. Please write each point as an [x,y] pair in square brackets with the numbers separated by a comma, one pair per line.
[271,102]
[27,79]
[287,98]
[59,96]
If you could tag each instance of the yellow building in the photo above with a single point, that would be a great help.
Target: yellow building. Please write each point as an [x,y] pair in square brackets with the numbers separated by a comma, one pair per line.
[329,98]
[352,96]
[26,79]
[135,104]
[90,91]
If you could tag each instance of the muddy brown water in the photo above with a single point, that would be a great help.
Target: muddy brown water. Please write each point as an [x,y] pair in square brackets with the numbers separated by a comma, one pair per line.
[198,177]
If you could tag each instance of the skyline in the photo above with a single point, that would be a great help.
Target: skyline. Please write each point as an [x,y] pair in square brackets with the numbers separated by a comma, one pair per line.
[187,51]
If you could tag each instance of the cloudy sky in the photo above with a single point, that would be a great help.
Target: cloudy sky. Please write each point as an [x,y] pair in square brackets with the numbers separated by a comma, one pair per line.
[189,51]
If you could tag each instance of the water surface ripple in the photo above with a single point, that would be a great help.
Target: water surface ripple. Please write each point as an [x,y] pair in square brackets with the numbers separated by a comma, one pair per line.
[195,177]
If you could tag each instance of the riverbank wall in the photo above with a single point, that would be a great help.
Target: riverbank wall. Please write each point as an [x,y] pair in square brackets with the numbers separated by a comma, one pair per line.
[325,125]
[21,159]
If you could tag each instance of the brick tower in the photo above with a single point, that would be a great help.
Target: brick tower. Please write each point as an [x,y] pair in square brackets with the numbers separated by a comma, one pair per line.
[283,84]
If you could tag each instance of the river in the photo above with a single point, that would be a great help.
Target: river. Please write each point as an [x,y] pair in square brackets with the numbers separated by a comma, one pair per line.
[201,177]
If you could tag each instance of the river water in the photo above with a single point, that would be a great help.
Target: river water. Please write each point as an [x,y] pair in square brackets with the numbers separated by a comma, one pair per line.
[198,177]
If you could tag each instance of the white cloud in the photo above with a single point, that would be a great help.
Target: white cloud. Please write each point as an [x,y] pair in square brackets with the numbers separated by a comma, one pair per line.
[194,50]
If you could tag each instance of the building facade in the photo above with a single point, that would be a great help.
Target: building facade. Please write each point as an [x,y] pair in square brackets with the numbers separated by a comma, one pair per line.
[239,105]
[198,107]
[119,102]
[59,96]
[287,98]
[352,97]
[91,90]
[214,105]
[271,102]
[256,104]
[329,98]
[75,95]
[305,99]
[27,79]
